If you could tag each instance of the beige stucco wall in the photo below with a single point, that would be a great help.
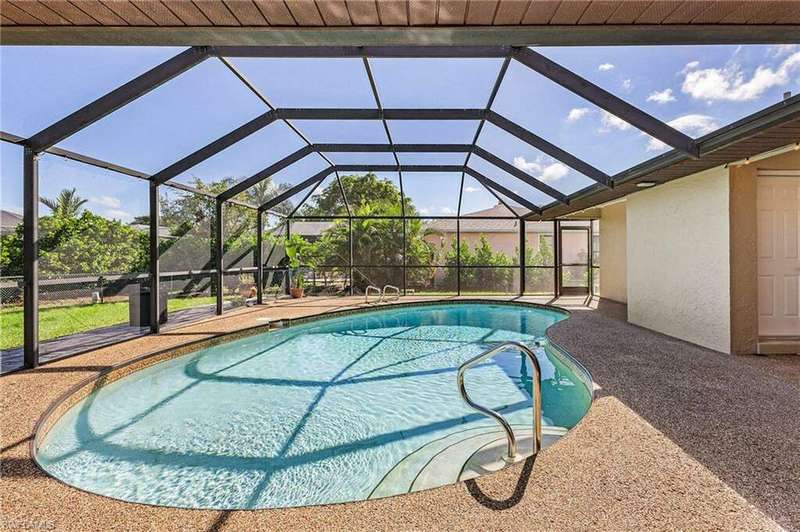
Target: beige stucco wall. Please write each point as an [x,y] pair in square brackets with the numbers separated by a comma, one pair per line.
[744,248]
[575,244]
[678,237]
[614,253]
[505,242]
[744,260]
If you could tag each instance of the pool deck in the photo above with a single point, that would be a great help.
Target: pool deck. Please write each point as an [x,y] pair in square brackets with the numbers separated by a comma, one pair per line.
[679,437]
[67,346]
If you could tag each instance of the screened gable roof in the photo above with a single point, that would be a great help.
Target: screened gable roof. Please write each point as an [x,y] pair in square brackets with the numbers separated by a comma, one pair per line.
[514,124]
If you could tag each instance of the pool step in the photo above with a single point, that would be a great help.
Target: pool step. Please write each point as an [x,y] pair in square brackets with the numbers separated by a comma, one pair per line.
[491,457]
[458,456]
[399,479]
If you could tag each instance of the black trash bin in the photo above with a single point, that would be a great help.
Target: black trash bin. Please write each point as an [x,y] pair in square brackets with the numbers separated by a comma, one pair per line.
[139,307]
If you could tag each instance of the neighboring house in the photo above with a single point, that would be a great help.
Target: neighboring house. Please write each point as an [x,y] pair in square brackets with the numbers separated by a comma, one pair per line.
[502,234]
[311,230]
[163,231]
[9,221]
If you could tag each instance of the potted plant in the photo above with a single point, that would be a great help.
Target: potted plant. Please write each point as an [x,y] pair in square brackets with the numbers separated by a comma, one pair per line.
[298,251]
[298,290]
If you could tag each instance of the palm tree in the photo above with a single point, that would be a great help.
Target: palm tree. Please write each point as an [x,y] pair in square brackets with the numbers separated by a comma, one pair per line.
[67,204]
[265,190]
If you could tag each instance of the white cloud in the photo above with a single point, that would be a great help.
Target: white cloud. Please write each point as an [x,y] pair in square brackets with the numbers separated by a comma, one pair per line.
[117,214]
[554,172]
[544,172]
[106,201]
[609,122]
[780,50]
[691,65]
[577,113]
[434,210]
[527,166]
[693,125]
[730,84]
[627,84]
[471,189]
[661,97]
[605,67]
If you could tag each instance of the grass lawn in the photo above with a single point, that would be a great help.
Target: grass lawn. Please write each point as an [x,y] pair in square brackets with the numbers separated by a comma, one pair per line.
[62,321]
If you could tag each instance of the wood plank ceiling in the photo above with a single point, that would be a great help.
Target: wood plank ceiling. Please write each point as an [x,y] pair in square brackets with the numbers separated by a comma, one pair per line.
[393,13]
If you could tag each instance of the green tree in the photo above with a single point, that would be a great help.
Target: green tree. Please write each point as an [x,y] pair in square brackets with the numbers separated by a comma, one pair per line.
[366,189]
[377,237]
[11,253]
[79,244]
[483,269]
[377,245]
[189,219]
[539,280]
[66,204]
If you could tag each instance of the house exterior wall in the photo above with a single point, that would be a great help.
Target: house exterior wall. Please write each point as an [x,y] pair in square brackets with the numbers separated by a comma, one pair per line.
[678,247]
[614,253]
[744,260]
[744,248]
[505,242]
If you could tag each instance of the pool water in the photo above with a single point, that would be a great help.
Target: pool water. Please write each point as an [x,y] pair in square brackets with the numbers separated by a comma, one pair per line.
[310,414]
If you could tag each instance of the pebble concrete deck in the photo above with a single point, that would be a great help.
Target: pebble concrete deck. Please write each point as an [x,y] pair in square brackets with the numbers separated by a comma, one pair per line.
[679,437]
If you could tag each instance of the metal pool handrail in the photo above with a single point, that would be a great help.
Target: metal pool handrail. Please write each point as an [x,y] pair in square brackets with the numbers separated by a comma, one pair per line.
[374,289]
[394,289]
[537,395]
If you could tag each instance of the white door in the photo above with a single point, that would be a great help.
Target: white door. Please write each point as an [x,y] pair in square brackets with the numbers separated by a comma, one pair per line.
[778,252]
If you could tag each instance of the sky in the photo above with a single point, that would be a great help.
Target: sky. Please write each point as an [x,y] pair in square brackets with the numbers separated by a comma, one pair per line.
[696,89]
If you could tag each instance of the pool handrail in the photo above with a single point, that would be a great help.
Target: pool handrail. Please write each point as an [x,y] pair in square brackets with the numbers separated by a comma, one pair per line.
[537,395]
[394,289]
[374,289]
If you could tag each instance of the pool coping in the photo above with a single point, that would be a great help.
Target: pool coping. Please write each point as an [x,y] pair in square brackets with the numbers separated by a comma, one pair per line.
[79,391]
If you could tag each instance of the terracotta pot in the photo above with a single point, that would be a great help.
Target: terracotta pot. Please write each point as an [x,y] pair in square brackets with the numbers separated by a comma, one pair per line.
[297,293]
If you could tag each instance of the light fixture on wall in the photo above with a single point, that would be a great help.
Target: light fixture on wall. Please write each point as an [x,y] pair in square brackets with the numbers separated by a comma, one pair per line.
[646,184]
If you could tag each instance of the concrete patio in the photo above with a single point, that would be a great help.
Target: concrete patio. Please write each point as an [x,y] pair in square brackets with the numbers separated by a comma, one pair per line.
[679,437]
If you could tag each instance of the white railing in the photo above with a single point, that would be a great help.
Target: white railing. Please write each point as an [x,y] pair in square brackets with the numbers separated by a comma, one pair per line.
[394,290]
[376,291]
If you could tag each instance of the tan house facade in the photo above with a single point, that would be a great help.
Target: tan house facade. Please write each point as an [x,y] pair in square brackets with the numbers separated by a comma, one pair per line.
[502,233]
[712,258]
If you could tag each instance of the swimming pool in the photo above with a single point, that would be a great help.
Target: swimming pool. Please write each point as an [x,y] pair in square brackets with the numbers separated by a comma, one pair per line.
[334,410]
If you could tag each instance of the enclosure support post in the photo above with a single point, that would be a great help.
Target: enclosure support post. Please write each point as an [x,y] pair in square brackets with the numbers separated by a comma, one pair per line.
[350,263]
[218,256]
[556,258]
[258,260]
[590,272]
[30,257]
[522,258]
[458,256]
[155,280]
[288,266]
[405,257]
